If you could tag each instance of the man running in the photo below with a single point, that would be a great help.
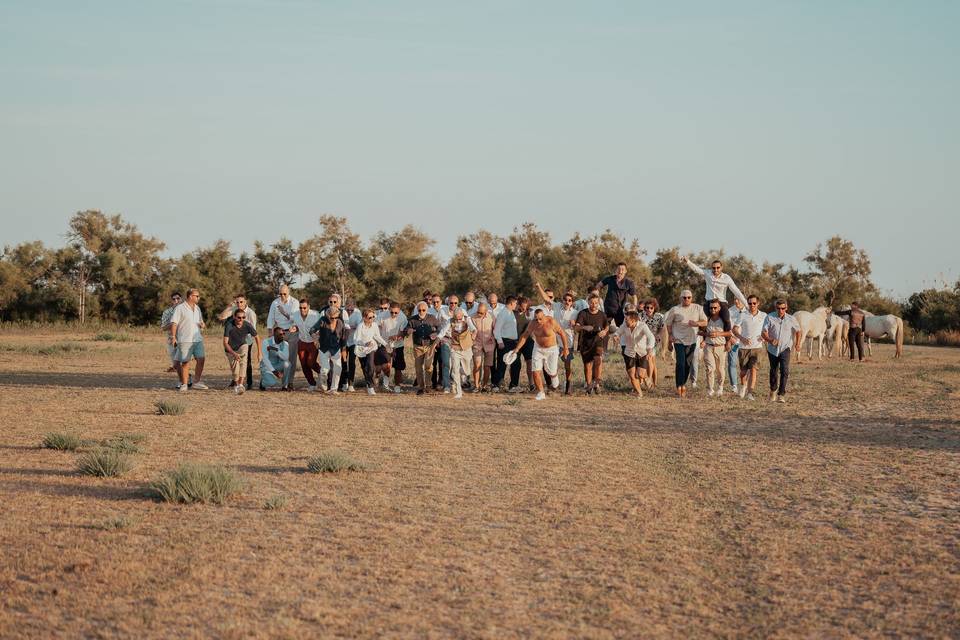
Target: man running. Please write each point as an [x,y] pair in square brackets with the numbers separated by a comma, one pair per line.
[638,343]
[682,322]
[424,330]
[240,302]
[238,336]
[717,284]
[780,332]
[715,334]
[165,318]
[483,348]
[749,331]
[544,331]
[307,352]
[592,325]
[506,334]
[733,344]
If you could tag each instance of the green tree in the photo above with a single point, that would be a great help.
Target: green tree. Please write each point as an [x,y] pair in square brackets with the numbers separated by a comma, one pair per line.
[840,271]
[405,266]
[215,271]
[477,264]
[334,260]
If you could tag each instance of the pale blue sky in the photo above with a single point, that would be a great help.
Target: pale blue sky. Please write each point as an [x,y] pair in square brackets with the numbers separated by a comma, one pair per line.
[760,127]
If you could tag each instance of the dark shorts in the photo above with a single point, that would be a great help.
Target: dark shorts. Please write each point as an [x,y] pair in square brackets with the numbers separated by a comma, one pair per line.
[590,353]
[614,315]
[632,362]
[380,356]
[399,362]
[749,358]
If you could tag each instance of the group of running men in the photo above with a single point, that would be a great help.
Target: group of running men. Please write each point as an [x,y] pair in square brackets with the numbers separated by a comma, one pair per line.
[479,343]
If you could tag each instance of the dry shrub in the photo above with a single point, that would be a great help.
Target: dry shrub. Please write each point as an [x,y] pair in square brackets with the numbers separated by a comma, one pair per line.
[61,441]
[104,462]
[275,503]
[110,336]
[190,483]
[170,408]
[333,462]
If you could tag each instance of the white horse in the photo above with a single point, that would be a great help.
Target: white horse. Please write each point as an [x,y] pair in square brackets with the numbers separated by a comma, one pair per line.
[815,325]
[840,329]
[889,326]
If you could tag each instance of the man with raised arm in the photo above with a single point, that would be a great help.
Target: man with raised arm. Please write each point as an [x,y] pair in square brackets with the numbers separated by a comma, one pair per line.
[682,322]
[717,284]
[281,313]
[544,330]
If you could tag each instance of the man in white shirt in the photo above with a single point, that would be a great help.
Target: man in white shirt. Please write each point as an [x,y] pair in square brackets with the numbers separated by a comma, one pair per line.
[683,322]
[715,336]
[748,330]
[781,332]
[240,302]
[469,304]
[186,335]
[393,328]
[717,284]
[638,343]
[307,351]
[282,311]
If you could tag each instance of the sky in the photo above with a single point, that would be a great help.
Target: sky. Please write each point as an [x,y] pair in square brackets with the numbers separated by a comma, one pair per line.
[760,128]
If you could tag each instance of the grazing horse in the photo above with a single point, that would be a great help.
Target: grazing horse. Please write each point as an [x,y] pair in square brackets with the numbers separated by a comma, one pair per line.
[890,326]
[815,325]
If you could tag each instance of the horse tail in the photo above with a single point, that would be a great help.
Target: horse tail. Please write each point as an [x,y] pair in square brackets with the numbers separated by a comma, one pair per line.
[899,338]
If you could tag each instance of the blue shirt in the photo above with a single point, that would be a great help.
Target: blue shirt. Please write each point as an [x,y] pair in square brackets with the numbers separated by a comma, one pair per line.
[275,360]
[782,330]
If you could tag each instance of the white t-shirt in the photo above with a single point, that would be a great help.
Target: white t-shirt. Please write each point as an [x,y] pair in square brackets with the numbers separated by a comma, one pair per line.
[677,319]
[188,323]
[750,329]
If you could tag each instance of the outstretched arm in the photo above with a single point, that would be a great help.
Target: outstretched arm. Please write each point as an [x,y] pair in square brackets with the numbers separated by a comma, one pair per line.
[227,311]
[693,266]
[737,293]
[523,338]
[543,294]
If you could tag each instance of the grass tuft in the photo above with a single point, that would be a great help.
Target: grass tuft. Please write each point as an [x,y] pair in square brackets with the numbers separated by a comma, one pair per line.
[512,402]
[333,462]
[111,336]
[275,503]
[124,442]
[104,463]
[61,441]
[190,483]
[118,523]
[170,408]
[61,348]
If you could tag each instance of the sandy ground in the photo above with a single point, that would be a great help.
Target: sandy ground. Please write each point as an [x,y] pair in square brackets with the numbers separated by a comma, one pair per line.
[837,514]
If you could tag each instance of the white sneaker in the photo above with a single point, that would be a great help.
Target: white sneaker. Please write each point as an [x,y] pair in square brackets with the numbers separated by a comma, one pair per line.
[183,388]
[720,392]
[781,398]
[397,389]
[200,385]
[385,384]
[239,389]
[693,385]
[540,396]
[710,393]
[311,387]
[446,391]
[458,395]
[750,397]
[350,388]
[743,392]
[734,389]
[555,382]
[371,391]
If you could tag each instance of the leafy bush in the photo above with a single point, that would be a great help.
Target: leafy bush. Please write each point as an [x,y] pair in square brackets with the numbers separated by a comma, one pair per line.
[333,462]
[170,408]
[61,441]
[104,462]
[190,483]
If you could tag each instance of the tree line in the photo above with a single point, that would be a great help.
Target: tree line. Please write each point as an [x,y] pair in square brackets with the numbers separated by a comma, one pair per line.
[109,270]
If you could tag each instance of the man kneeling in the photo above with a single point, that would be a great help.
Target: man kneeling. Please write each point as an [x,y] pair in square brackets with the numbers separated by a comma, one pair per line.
[274,361]
[546,355]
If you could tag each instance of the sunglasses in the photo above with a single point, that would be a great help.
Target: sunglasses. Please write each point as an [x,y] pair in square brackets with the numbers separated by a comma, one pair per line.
[369,318]
[394,313]
[781,308]
[687,297]
[242,317]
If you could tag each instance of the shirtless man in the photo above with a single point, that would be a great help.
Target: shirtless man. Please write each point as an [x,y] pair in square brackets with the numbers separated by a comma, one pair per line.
[546,355]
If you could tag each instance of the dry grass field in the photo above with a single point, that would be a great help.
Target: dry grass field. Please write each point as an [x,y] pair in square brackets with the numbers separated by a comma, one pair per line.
[837,514]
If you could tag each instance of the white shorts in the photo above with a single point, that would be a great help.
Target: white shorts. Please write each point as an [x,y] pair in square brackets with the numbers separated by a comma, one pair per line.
[547,359]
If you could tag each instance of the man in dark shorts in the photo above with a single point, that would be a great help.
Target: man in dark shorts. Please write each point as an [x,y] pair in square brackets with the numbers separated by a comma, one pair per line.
[592,326]
[620,291]
[748,330]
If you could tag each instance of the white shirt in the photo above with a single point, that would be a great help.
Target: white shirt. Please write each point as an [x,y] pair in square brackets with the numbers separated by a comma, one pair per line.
[471,309]
[717,285]
[751,327]
[676,323]
[281,314]
[305,324]
[351,321]
[496,310]
[566,319]
[364,335]
[188,323]
[505,326]
[391,326]
[781,330]
[637,341]
[446,315]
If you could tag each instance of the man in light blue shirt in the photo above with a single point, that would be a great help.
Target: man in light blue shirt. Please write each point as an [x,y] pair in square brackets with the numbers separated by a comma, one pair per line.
[274,361]
[781,332]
